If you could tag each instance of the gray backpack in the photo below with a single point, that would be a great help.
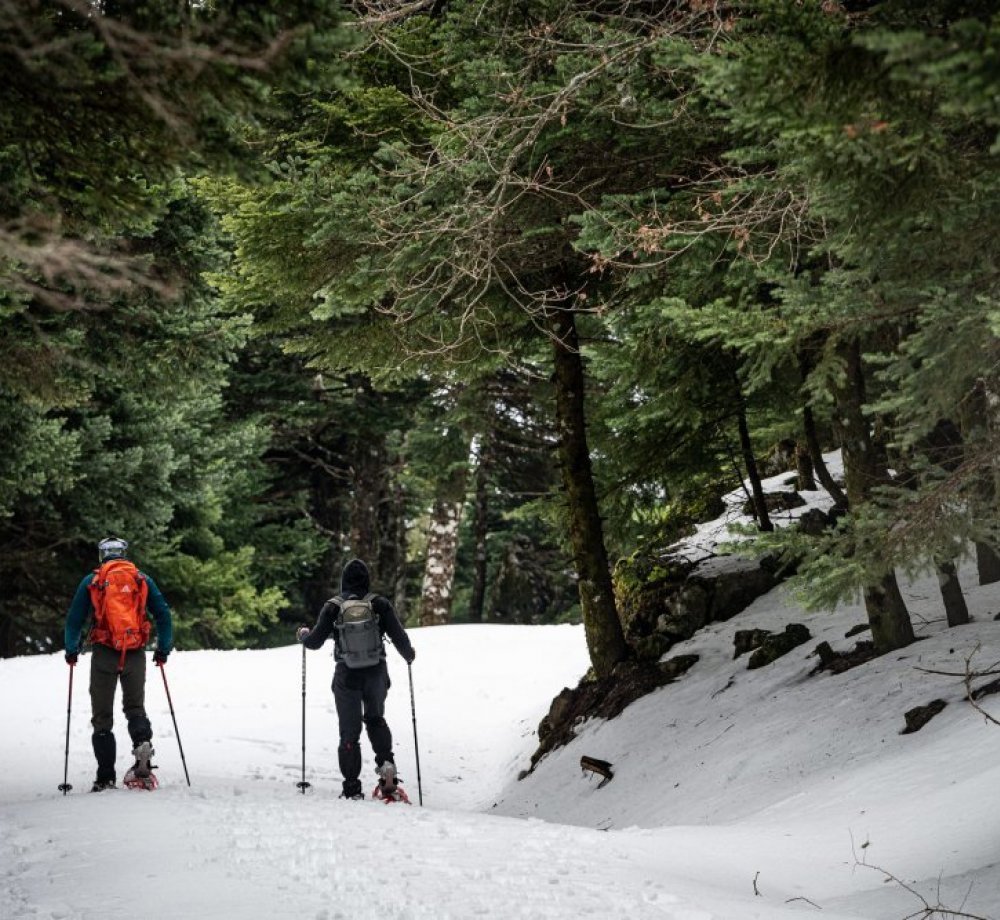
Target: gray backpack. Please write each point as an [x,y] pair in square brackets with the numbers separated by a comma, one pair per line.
[358,636]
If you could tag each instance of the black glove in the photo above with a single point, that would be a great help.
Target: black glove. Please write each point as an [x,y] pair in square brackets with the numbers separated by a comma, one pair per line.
[71,657]
[413,654]
[301,633]
[160,656]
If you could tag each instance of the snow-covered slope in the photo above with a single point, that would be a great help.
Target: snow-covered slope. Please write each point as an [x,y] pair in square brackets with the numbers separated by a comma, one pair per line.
[737,794]
[794,776]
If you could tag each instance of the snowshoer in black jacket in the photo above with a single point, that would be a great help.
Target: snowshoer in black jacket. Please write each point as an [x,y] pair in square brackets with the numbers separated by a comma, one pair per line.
[359,620]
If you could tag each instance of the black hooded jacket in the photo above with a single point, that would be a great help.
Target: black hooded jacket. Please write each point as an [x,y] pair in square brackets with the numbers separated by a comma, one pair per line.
[356,582]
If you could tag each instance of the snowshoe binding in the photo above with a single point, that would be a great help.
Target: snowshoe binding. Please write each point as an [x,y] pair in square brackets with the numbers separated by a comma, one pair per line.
[101,784]
[140,775]
[388,789]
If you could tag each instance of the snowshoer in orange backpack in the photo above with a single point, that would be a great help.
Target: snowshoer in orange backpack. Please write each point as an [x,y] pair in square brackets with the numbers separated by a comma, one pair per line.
[119,597]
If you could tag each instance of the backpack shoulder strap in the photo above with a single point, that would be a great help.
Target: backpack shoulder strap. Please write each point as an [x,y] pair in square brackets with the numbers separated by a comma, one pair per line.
[97,585]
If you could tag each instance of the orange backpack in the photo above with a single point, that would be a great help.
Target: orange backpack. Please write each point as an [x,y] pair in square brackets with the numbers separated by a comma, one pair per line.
[119,594]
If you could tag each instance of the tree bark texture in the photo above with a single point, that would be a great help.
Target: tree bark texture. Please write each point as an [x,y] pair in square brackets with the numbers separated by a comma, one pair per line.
[864,469]
[887,615]
[804,468]
[605,636]
[951,593]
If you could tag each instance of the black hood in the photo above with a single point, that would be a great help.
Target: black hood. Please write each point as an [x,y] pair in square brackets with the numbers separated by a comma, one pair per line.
[355,579]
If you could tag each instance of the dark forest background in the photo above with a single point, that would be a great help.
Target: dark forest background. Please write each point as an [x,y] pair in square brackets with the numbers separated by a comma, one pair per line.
[495,296]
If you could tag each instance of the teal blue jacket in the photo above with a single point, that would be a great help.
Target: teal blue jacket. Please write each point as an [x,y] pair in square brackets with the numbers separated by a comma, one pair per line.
[81,608]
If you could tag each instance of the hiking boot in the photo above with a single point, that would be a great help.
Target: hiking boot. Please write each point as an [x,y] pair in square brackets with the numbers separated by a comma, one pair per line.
[387,778]
[101,784]
[142,752]
[351,789]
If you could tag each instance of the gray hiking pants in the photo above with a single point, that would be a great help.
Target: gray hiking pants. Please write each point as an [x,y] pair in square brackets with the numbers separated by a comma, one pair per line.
[360,698]
[104,679]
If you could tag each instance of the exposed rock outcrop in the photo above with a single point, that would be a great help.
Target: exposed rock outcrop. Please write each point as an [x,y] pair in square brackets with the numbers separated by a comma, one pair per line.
[775,646]
[664,598]
[665,603]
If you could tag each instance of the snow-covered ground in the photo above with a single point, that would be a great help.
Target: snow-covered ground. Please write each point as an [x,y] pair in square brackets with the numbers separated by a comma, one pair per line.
[737,795]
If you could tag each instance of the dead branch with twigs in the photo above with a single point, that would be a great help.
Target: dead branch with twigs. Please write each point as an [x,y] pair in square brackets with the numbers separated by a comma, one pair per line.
[968,676]
[927,910]
[475,184]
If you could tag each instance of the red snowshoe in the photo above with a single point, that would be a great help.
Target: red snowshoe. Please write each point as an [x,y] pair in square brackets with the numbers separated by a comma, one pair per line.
[387,798]
[388,789]
[140,775]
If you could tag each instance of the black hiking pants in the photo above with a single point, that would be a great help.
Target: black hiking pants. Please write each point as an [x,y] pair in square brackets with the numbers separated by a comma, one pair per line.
[104,679]
[360,697]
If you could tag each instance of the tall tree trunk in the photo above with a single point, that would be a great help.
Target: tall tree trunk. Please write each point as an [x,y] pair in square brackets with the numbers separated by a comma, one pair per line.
[804,468]
[442,548]
[819,464]
[951,593]
[480,531]
[753,474]
[863,471]
[605,636]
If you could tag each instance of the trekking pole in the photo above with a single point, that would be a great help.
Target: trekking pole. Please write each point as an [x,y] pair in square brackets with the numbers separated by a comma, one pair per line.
[65,787]
[170,703]
[302,784]
[416,749]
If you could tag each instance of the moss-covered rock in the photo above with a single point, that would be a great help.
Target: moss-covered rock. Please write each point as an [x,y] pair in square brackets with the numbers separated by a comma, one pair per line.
[643,586]
[663,601]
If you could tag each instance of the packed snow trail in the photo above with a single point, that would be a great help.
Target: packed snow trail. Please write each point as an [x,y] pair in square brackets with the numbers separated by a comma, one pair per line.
[230,850]
[243,842]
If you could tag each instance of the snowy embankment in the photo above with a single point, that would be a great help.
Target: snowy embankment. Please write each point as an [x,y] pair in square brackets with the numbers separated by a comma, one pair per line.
[737,794]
